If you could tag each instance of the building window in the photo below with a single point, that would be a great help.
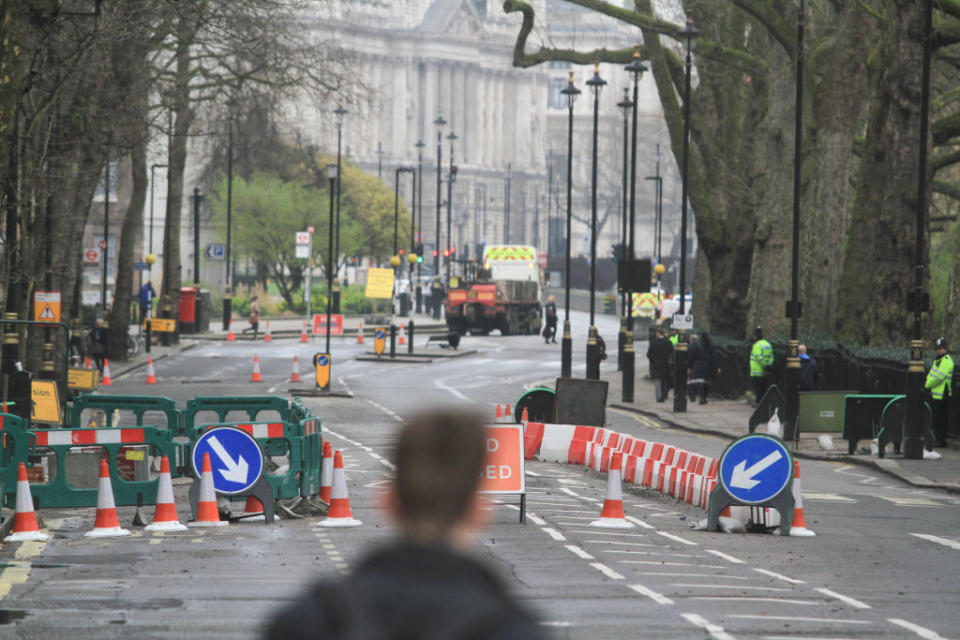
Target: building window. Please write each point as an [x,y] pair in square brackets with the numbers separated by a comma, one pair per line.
[557,100]
[559,64]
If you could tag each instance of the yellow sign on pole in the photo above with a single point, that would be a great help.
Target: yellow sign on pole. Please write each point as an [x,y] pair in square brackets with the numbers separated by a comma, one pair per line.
[379,283]
[46,306]
[46,402]
[83,379]
[161,325]
[323,365]
[379,340]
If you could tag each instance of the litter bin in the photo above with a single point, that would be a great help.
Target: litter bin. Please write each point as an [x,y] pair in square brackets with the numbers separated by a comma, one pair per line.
[187,316]
[204,311]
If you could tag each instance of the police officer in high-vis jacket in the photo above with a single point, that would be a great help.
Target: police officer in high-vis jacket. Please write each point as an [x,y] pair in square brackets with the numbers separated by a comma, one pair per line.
[938,384]
[761,360]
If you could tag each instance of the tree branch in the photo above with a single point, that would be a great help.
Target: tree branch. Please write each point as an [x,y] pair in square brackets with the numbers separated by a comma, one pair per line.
[946,188]
[774,23]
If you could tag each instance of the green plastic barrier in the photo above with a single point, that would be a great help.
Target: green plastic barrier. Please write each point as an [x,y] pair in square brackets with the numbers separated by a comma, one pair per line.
[139,405]
[16,447]
[251,405]
[122,446]
[274,438]
[892,422]
[311,459]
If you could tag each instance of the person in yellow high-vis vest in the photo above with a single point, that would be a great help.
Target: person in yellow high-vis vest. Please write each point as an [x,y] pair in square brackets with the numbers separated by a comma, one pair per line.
[938,384]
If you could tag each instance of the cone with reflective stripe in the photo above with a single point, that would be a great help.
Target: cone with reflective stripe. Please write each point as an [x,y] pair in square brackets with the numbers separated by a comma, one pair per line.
[107,523]
[231,337]
[253,510]
[303,333]
[295,374]
[255,376]
[25,520]
[611,517]
[207,513]
[360,333]
[799,525]
[267,336]
[105,376]
[151,374]
[339,514]
[402,340]
[87,362]
[499,413]
[525,416]
[326,474]
[506,413]
[165,513]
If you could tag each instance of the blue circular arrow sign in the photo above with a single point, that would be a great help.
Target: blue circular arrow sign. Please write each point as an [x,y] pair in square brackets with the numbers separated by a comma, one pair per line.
[235,457]
[755,468]
[323,360]
[379,334]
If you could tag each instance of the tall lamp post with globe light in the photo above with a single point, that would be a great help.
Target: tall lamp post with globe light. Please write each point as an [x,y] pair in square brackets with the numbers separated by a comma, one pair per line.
[566,346]
[596,83]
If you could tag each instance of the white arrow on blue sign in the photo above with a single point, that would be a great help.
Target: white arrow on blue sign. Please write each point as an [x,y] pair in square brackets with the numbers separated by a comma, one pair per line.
[216,251]
[235,457]
[755,468]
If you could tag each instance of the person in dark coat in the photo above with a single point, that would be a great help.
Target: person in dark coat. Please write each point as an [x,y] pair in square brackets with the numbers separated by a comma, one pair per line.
[702,364]
[809,371]
[97,339]
[550,315]
[659,352]
[425,585]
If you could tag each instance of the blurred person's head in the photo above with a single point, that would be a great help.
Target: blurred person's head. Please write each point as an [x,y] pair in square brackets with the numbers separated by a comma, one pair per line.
[439,459]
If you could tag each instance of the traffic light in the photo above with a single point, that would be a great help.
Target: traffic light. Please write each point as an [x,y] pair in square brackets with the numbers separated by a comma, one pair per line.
[419,249]
[353,260]
[453,250]
[400,251]
[446,253]
[419,257]
[434,253]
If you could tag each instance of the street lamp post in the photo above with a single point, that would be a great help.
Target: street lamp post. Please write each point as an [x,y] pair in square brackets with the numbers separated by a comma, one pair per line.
[680,360]
[791,376]
[153,168]
[624,106]
[333,173]
[439,122]
[595,83]
[566,346]
[339,112]
[197,199]
[228,280]
[451,178]
[419,214]
[106,239]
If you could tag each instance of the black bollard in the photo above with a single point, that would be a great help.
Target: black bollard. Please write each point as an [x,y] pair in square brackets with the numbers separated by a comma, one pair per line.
[410,339]
[393,341]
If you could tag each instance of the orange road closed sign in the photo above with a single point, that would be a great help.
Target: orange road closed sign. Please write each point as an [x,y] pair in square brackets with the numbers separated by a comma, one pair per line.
[503,468]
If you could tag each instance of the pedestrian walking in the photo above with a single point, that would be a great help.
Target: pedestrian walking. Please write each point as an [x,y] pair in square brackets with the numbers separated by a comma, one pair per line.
[659,353]
[761,360]
[254,318]
[939,382]
[147,294]
[809,371]
[425,585]
[550,320]
[702,362]
[97,341]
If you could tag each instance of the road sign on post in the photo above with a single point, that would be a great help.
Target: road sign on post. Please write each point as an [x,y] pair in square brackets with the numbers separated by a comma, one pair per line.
[216,251]
[682,321]
[323,366]
[235,456]
[503,469]
[755,470]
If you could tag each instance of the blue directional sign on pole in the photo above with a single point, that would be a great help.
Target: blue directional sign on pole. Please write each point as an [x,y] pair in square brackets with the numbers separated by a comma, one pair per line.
[755,468]
[216,251]
[235,457]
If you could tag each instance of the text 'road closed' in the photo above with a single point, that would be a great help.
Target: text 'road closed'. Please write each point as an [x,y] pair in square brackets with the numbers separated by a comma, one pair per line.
[503,470]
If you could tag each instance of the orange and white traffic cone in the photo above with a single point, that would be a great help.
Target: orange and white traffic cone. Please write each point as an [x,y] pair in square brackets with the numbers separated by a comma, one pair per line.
[506,413]
[499,413]
[339,514]
[105,377]
[295,374]
[326,474]
[525,416]
[303,333]
[87,362]
[799,525]
[25,520]
[611,516]
[255,376]
[360,333]
[402,340]
[207,513]
[231,337]
[267,336]
[253,510]
[151,374]
[107,523]
[165,513]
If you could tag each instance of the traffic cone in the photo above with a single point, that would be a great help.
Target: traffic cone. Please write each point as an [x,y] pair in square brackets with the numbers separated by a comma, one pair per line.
[87,362]
[303,333]
[506,413]
[339,514]
[267,336]
[499,413]
[295,374]
[231,337]
[25,520]
[402,340]
[107,523]
[611,517]
[255,377]
[326,473]
[799,525]
[360,333]
[525,416]
[207,513]
[105,376]
[253,510]
[165,513]
[151,374]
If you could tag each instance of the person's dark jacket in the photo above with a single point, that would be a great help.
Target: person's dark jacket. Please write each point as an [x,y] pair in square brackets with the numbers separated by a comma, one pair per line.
[412,592]
[659,352]
[701,361]
[809,374]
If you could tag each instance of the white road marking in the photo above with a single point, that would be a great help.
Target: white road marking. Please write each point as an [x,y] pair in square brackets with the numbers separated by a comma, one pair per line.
[953,544]
[536,519]
[531,473]
[651,553]
[640,523]
[806,603]
[439,384]
[751,616]
[715,630]
[607,571]
[842,598]
[571,492]
[620,542]
[923,632]
[577,551]
[826,497]
[659,598]
[610,533]
[385,410]
[553,533]
[677,538]
[724,556]
[672,564]
[779,576]
[903,501]
[382,461]
[726,586]
[676,574]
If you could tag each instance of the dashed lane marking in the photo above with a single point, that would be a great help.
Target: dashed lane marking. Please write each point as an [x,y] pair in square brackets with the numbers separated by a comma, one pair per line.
[716,631]
[923,632]
[753,616]
[659,598]
[580,553]
[947,542]
[853,602]
[553,533]
[640,523]
[672,564]
[903,501]
[607,571]
[724,556]
[670,536]
[611,533]
[385,410]
[826,497]
[536,519]
[690,585]
[778,576]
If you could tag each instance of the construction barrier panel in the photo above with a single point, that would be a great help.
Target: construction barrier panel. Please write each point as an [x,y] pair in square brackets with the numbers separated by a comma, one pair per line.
[138,405]
[311,456]
[286,410]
